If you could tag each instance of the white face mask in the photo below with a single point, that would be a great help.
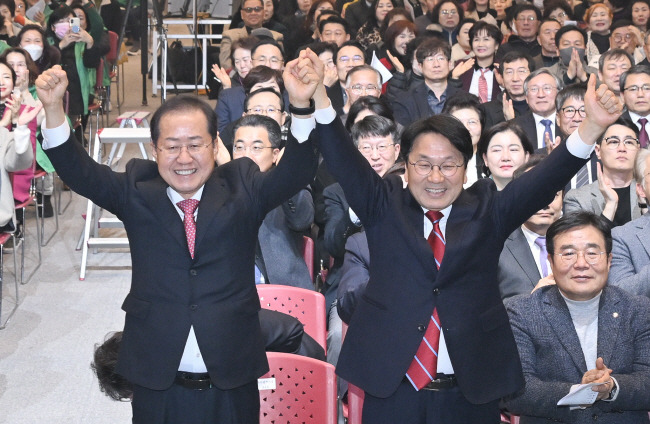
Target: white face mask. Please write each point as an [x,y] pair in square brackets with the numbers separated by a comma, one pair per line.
[34,50]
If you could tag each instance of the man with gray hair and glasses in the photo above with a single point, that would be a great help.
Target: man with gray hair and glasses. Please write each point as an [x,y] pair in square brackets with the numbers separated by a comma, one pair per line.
[635,89]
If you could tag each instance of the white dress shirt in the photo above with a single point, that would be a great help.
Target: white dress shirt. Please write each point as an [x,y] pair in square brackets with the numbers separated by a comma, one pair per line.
[489,76]
[535,249]
[540,129]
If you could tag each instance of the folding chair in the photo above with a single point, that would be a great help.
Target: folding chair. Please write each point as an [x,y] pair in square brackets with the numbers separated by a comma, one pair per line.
[4,237]
[97,108]
[40,207]
[22,239]
[355,397]
[112,57]
[297,389]
[306,306]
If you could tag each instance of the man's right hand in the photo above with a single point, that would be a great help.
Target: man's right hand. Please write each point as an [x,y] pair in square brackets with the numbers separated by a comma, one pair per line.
[50,88]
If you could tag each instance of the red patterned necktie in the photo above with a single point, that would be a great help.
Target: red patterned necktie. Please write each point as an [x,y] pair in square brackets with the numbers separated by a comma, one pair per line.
[424,366]
[483,86]
[188,206]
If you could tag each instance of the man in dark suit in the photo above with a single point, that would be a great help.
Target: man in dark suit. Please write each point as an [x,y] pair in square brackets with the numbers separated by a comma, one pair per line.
[523,261]
[514,68]
[477,359]
[428,97]
[541,88]
[637,99]
[349,55]
[582,331]
[192,343]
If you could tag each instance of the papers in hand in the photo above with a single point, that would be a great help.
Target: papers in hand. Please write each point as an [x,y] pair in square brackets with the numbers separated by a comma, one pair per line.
[580,394]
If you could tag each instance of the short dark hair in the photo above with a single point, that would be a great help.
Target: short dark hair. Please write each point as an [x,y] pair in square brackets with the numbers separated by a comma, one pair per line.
[431,46]
[624,122]
[395,29]
[463,100]
[375,104]
[613,54]
[320,47]
[444,125]
[435,13]
[576,91]
[183,103]
[269,41]
[489,134]
[57,14]
[334,19]
[574,220]
[619,23]
[11,5]
[514,56]
[31,66]
[103,365]
[262,73]
[550,6]
[491,30]
[263,90]
[533,161]
[360,68]
[271,127]
[634,70]
[525,7]
[352,43]
[569,28]
[374,126]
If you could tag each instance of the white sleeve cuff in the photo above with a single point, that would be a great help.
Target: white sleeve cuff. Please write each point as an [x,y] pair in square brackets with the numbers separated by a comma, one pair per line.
[54,137]
[614,392]
[579,148]
[325,116]
[301,128]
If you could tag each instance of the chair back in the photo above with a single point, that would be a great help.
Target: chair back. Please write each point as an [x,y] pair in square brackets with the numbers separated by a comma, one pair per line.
[111,56]
[99,77]
[308,255]
[297,389]
[306,306]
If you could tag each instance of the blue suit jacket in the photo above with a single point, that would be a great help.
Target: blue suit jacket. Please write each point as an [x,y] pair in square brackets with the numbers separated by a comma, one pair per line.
[553,360]
[405,286]
[630,268]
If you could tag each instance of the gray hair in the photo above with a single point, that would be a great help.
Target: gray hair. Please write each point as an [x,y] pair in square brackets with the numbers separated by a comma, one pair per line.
[363,68]
[558,82]
[640,165]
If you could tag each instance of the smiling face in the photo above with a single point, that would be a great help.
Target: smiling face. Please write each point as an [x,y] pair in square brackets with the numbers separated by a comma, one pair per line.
[613,68]
[541,94]
[347,58]
[383,7]
[185,173]
[255,17]
[253,143]
[568,124]
[484,46]
[31,37]
[435,191]
[380,161]
[402,40]
[6,82]
[514,75]
[580,280]
[600,20]
[504,155]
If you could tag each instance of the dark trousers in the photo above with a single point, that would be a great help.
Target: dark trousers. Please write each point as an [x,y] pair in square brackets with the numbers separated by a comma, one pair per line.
[427,407]
[178,405]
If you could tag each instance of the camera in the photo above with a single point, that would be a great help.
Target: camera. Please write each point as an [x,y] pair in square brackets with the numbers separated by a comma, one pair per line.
[75,25]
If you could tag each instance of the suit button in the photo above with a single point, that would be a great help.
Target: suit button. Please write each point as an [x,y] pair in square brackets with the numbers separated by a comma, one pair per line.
[436,291]
[193,307]
[193,272]
[421,328]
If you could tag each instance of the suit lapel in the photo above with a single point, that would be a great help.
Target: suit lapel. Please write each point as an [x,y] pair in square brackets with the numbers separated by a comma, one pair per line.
[642,235]
[559,319]
[610,317]
[524,257]
[634,203]
[415,222]
[461,214]
[154,192]
[213,197]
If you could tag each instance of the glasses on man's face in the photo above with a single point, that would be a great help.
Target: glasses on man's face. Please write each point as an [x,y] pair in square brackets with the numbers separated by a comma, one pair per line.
[620,37]
[255,149]
[527,18]
[354,59]
[256,9]
[547,89]
[451,12]
[262,60]
[636,88]
[175,151]
[367,149]
[570,111]
[261,110]
[613,142]
[592,256]
[522,72]
[439,58]
[424,168]
[359,88]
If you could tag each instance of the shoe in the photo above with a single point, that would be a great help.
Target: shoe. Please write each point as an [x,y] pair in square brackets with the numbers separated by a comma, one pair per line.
[46,201]
[135,49]
[18,236]
[128,42]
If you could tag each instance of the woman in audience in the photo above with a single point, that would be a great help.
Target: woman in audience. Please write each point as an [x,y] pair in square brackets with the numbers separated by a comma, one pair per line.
[480,9]
[9,28]
[240,56]
[271,20]
[368,105]
[77,57]
[32,39]
[599,19]
[448,15]
[466,108]
[501,7]
[639,14]
[504,148]
[369,32]
[392,52]
[326,53]
[397,14]
[306,31]
[558,10]
[462,50]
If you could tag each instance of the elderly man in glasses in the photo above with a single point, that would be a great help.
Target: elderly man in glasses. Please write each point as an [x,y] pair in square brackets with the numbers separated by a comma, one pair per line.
[614,194]
[361,81]
[581,333]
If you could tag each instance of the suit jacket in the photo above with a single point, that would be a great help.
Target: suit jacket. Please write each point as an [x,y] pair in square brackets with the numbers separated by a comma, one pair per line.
[17,154]
[493,111]
[170,291]
[553,360]
[589,198]
[413,105]
[335,94]
[466,81]
[527,123]
[518,272]
[390,319]
[354,275]
[281,242]
[234,34]
[230,106]
[631,256]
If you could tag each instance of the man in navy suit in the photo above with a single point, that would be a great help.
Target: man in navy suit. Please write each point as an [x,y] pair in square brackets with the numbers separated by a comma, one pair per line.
[192,344]
[582,331]
[477,359]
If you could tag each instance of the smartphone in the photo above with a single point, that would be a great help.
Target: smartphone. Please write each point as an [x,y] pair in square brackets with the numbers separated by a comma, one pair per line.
[75,25]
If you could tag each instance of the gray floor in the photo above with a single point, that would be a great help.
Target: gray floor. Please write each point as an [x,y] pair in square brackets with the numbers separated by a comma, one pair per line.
[46,349]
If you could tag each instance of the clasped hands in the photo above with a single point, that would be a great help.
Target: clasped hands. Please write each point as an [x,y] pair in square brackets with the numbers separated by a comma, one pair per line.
[600,374]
